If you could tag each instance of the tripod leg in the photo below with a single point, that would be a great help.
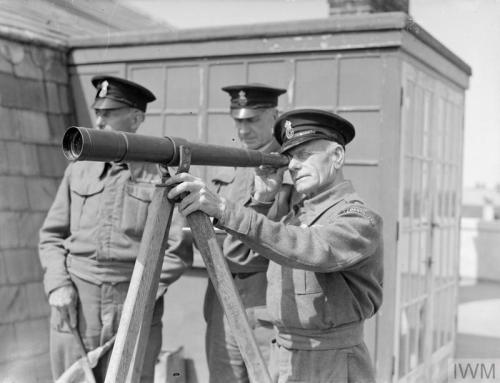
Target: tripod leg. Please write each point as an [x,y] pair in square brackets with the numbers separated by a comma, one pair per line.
[218,271]
[140,299]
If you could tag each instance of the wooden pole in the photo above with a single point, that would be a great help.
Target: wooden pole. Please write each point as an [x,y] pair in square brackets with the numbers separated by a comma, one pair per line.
[218,271]
[141,294]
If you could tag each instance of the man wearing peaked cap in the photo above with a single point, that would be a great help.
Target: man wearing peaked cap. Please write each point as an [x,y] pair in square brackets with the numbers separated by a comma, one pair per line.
[325,256]
[299,126]
[115,93]
[253,110]
[248,100]
[90,239]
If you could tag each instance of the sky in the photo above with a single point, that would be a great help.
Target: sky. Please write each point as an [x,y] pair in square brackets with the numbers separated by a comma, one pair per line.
[470,28]
[212,13]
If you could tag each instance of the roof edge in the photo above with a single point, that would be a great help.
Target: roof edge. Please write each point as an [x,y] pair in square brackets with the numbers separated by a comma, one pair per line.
[333,24]
[16,35]
[421,34]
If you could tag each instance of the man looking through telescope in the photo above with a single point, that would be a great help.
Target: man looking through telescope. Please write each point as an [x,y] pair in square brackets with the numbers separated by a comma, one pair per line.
[325,270]
[253,109]
[90,238]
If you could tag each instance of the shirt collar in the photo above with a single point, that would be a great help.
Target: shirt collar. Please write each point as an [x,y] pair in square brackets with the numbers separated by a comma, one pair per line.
[106,166]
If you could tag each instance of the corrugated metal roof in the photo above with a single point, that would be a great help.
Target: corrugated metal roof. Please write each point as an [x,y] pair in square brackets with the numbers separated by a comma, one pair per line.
[57,21]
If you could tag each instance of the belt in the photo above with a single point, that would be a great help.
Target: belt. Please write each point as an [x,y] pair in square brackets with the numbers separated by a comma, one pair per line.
[243,275]
[98,272]
[348,335]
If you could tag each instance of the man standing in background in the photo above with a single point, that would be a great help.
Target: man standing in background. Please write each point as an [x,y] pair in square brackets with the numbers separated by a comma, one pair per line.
[253,109]
[90,239]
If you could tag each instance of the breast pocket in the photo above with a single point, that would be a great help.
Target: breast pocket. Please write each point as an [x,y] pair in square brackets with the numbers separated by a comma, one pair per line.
[135,208]
[85,203]
[306,282]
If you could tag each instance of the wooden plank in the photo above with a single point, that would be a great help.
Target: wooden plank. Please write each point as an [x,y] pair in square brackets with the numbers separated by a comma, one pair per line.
[206,241]
[389,205]
[140,300]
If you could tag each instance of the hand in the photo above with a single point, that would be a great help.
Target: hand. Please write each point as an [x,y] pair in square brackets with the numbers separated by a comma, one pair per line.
[195,195]
[64,299]
[267,182]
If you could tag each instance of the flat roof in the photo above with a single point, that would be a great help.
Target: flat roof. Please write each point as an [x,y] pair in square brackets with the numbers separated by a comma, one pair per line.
[364,23]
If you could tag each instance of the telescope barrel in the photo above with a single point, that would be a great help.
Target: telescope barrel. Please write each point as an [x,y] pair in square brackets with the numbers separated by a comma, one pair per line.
[84,144]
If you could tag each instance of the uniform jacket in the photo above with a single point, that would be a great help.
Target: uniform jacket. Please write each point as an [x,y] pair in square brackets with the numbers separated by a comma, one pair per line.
[95,224]
[325,274]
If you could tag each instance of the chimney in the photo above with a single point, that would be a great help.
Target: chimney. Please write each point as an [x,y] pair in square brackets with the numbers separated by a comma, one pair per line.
[342,7]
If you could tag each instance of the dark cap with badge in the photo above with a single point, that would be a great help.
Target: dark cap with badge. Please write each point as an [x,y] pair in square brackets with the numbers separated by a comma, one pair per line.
[247,100]
[301,125]
[114,92]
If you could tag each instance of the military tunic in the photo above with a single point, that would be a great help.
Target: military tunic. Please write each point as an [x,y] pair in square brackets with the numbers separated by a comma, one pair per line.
[90,239]
[325,278]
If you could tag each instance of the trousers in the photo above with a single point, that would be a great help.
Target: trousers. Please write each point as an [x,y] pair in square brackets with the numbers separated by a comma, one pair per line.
[225,362]
[342,365]
[99,310]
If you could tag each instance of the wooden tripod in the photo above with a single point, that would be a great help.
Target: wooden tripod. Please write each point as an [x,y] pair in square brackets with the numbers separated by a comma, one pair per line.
[131,339]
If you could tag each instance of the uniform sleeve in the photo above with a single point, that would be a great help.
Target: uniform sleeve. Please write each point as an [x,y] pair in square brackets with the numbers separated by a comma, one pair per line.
[350,237]
[54,231]
[238,252]
[239,256]
[179,253]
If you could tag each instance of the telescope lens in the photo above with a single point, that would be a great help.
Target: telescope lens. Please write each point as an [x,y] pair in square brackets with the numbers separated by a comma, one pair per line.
[76,145]
[73,145]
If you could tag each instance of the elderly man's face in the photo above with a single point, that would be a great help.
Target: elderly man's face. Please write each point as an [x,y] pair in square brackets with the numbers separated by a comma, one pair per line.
[256,131]
[314,165]
[121,119]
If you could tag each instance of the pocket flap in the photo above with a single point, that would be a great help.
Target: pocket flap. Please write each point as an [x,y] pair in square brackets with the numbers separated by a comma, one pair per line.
[142,192]
[87,190]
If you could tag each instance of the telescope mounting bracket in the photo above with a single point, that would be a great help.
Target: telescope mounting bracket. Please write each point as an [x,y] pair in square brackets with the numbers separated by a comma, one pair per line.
[184,159]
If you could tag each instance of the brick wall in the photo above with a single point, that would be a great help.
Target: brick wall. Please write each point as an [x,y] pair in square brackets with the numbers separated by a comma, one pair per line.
[367,6]
[35,109]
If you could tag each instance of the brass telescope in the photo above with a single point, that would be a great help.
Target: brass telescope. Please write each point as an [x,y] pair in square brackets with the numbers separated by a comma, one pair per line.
[84,144]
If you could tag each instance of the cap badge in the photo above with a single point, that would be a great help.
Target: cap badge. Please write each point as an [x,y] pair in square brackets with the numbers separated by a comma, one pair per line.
[104,89]
[289,130]
[242,98]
